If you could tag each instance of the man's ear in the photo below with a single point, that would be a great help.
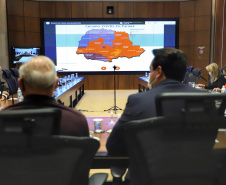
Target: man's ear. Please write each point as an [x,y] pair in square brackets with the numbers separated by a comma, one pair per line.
[57,80]
[159,72]
[21,84]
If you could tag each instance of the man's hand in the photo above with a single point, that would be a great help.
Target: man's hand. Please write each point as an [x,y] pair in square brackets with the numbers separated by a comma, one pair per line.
[3,97]
[5,92]
[217,89]
[200,85]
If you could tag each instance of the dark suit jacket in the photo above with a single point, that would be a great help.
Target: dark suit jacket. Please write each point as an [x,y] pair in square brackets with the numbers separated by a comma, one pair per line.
[141,106]
[73,123]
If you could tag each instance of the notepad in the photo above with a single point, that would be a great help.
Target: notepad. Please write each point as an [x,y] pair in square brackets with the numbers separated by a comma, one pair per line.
[13,99]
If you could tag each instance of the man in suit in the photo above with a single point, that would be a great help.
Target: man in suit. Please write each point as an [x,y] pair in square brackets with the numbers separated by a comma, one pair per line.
[37,81]
[167,72]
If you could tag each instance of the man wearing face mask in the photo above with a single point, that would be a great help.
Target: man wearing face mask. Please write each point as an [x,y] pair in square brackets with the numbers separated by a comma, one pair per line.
[167,72]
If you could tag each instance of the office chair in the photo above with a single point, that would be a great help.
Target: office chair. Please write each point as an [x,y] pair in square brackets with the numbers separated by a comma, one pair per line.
[195,75]
[176,148]
[15,73]
[188,72]
[11,81]
[200,104]
[1,88]
[172,150]
[31,154]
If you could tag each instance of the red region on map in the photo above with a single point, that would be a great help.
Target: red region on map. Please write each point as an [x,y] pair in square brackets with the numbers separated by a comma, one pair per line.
[122,47]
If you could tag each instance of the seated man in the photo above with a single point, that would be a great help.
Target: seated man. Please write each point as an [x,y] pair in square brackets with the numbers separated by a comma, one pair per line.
[4,96]
[167,73]
[37,82]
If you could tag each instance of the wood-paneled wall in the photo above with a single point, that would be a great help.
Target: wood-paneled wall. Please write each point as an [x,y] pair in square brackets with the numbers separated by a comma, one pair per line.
[24,27]
[3,36]
[220,36]
[195,22]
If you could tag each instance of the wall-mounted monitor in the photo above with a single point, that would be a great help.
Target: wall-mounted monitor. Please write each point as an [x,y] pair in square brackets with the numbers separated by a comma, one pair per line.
[24,54]
[96,45]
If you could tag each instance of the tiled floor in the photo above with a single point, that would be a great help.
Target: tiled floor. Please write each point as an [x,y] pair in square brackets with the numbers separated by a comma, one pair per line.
[95,103]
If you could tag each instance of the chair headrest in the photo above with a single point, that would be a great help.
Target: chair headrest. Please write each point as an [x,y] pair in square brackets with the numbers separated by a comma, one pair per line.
[190,69]
[197,71]
[15,72]
[6,73]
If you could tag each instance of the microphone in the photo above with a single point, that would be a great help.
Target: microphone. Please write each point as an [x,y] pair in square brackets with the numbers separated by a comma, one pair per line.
[114,67]
[202,77]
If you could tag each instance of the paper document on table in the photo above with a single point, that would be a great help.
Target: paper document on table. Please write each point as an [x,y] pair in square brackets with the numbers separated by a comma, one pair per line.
[13,98]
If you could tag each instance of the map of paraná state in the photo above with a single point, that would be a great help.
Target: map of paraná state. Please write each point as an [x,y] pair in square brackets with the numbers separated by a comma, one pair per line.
[105,45]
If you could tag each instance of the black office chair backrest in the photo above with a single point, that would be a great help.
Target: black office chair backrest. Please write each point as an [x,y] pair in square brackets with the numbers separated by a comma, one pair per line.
[171,150]
[198,104]
[11,81]
[30,154]
[15,74]
[40,122]
[1,87]
[195,75]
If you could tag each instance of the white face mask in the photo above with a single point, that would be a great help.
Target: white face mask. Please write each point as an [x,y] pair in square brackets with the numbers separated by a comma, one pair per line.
[150,85]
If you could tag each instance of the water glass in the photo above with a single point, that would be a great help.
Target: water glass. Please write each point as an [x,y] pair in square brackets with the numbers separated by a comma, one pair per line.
[98,125]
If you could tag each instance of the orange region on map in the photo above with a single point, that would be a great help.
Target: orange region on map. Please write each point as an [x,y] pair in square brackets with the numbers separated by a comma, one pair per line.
[122,47]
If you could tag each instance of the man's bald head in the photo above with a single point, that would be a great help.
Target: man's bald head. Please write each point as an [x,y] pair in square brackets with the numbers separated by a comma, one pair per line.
[39,74]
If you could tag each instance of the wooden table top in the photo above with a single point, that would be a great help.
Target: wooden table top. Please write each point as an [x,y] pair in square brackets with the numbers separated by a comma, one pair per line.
[220,141]
[8,102]
[102,136]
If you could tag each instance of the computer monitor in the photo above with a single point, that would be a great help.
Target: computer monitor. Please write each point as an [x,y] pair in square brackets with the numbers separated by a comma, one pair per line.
[24,54]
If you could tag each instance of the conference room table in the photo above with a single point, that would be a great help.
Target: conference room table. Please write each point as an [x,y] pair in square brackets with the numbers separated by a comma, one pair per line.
[142,84]
[68,94]
[102,160]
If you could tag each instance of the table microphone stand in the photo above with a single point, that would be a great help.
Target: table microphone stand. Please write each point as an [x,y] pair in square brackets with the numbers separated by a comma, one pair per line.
[203,78]
[13,99]
[114,108]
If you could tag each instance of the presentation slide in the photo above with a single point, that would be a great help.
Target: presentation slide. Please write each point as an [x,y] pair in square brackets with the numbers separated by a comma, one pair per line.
[97,46]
